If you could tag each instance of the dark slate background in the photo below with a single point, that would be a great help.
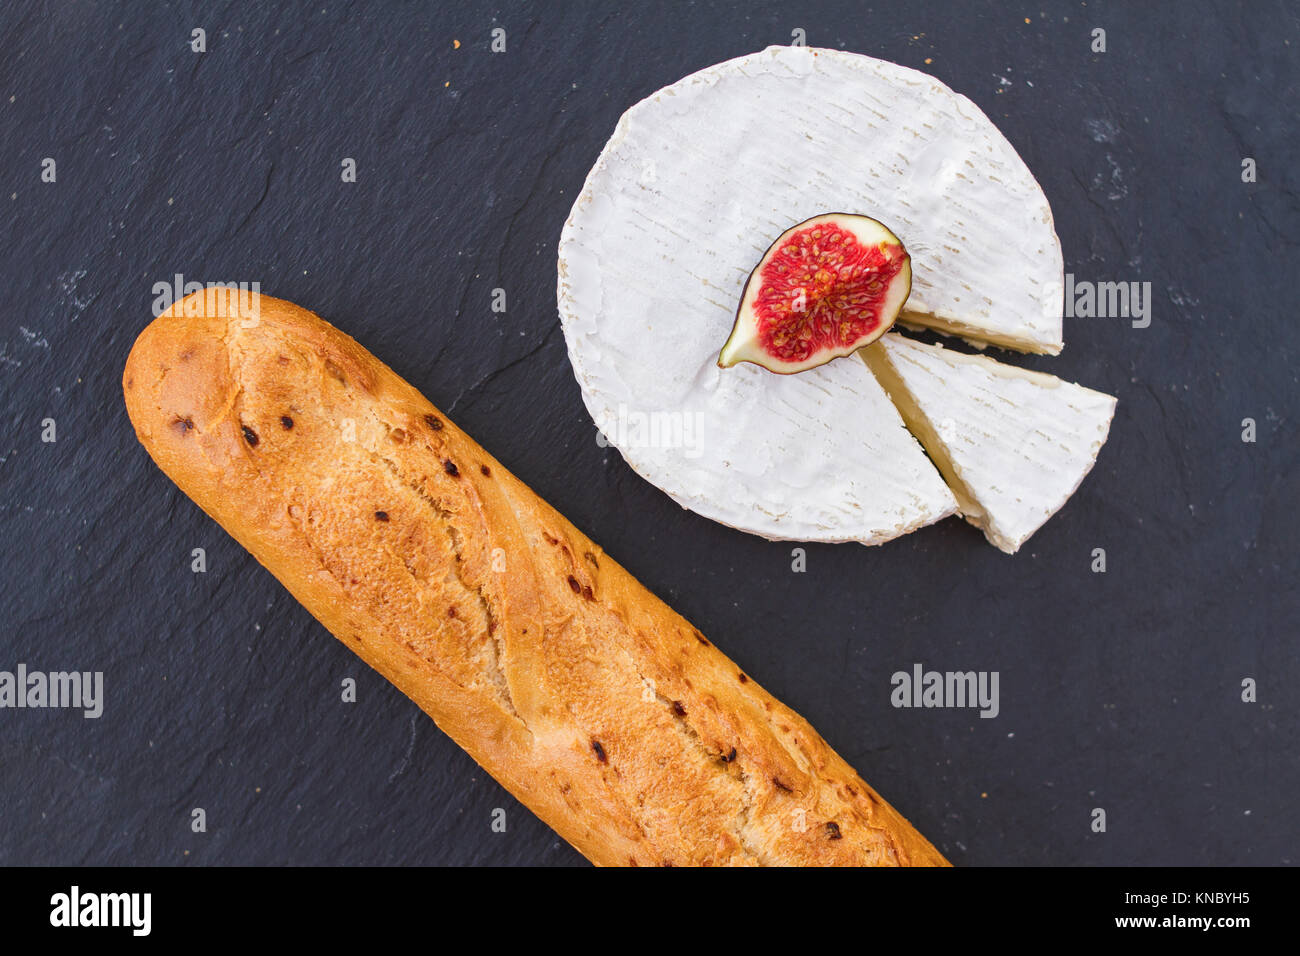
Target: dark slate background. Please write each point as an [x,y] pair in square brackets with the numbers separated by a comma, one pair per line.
[1118,690]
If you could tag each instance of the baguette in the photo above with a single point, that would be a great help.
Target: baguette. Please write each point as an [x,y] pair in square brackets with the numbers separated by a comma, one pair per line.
[589,699]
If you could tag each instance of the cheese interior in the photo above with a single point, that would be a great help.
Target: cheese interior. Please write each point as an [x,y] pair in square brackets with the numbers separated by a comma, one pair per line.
[979,336]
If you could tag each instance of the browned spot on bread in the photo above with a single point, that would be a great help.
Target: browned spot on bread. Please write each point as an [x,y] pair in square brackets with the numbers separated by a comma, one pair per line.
[398,435]
[187,354]
[381,515]
[182,426]
[679,709]
[451,611]
[548,539]
[743,678]
[485,471]
[450,468]
[434,422]
[335,372]
[574,585]
[286,422]
[729,756]
[588,593]
[700,637]
[250,436]
[592,558]
[781,785]
[599,750]
[833,831]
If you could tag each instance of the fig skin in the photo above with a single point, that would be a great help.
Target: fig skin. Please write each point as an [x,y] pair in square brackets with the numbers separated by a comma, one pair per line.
[748,350]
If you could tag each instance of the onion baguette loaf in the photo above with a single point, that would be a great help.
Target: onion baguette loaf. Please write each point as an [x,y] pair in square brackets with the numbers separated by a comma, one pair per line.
[588,698]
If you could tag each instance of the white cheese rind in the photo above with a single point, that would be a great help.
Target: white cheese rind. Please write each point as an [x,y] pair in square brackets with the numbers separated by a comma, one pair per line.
[689,191]
[1015,444]
[819,456]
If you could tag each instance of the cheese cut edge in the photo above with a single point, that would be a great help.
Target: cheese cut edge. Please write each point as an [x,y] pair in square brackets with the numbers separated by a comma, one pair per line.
[979,337]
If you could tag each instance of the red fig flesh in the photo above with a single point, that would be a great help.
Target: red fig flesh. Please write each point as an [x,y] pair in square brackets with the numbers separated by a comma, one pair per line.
[824,289]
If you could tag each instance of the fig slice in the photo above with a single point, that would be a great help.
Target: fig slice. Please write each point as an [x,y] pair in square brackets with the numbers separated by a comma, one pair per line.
[823,290]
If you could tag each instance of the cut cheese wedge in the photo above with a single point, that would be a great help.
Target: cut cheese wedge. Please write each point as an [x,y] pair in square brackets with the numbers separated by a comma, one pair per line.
[981,334]
[1013,445]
